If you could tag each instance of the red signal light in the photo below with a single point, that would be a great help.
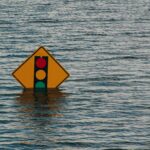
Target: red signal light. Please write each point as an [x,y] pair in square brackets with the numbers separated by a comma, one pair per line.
[41,62]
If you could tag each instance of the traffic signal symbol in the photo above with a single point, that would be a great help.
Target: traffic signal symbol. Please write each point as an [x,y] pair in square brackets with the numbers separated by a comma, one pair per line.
[40,72]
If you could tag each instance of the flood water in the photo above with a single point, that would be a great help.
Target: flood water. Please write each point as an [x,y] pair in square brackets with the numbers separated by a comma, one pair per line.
[105,46]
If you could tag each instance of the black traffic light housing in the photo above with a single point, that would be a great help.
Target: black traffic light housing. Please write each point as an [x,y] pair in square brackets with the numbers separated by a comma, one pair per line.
[40,72]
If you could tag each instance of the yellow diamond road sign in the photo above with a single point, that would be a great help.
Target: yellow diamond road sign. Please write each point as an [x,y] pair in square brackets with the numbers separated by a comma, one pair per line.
[41,67]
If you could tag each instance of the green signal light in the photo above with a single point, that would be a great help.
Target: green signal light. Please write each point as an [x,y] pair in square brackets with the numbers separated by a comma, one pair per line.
[40,84]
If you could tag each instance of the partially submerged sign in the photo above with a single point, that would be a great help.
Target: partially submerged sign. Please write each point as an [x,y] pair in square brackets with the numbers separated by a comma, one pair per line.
[40,70]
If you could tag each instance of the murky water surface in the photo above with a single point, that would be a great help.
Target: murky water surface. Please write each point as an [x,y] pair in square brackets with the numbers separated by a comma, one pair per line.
[105,46]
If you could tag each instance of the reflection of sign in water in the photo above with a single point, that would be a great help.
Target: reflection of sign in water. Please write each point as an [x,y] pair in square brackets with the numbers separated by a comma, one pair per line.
[40,70]
[41,104]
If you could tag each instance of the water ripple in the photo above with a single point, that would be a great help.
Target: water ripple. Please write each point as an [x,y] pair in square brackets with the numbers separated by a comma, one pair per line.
[104,45]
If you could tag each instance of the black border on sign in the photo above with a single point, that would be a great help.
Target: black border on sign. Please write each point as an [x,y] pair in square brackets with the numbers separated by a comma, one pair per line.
[48,55]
